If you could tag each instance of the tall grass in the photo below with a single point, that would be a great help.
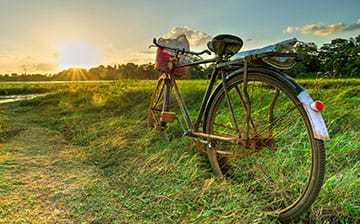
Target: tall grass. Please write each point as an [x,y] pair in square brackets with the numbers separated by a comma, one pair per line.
[141,177]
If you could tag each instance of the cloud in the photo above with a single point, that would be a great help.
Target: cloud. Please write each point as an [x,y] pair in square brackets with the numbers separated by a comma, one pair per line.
[355,26]
[195,37]
[320,29]
[131,55]
[330,29]
[40,67]
[28,64]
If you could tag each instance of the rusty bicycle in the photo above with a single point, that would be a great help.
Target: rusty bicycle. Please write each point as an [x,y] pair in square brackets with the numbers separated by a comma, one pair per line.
[252,116]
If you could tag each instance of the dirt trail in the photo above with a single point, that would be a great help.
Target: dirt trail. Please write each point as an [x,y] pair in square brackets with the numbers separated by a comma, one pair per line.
[38,173]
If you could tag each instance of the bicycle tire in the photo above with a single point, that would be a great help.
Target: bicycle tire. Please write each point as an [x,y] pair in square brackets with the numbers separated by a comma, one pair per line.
[286,139]
[159,102]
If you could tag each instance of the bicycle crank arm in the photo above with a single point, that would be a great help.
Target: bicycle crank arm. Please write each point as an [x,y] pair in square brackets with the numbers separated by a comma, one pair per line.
[211,136]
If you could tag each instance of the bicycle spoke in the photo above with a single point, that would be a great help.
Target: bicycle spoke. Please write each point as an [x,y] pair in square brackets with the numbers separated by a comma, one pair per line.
[159,97]
[242,101]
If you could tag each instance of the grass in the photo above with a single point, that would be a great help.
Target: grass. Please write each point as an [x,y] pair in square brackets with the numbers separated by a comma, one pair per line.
[83,154]
[14,88]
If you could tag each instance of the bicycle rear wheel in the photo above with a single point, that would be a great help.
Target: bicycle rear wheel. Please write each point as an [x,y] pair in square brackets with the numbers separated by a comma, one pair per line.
[276,156]
[159,102]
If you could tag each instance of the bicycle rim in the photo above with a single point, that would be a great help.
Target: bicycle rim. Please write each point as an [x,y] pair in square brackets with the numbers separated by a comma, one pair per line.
[280,162]
[158,103]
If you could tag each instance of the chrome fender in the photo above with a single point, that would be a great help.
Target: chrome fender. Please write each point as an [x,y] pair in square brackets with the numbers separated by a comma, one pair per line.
[317,122]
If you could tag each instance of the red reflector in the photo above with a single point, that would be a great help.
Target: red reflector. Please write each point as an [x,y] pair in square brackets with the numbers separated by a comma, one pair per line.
[318,106]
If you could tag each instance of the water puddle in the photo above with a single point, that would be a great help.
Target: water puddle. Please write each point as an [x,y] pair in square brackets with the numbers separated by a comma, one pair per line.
[13,98]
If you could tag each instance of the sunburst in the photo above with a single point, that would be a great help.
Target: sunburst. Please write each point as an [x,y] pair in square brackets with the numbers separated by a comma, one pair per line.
[77,55]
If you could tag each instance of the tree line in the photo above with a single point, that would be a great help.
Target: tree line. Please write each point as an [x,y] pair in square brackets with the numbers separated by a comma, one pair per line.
[338,59]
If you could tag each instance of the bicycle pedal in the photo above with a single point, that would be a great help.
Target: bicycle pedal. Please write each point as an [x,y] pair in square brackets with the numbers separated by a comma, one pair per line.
[167,116]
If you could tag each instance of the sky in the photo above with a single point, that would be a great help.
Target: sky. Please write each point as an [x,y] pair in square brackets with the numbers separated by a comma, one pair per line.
[47,36]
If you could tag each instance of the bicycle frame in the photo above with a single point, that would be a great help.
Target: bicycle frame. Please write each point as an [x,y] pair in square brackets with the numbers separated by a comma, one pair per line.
[235,67]
[193,128]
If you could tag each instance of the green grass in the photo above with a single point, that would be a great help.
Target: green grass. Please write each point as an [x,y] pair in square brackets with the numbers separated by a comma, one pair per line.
[83,154]
[14,88]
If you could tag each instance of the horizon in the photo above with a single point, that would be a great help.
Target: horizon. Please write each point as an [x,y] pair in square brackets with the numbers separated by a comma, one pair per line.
[49,37]
[77,68]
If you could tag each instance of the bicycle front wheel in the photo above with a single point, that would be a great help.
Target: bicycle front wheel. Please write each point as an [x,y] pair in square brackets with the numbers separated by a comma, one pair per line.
[275,157]
[159,102]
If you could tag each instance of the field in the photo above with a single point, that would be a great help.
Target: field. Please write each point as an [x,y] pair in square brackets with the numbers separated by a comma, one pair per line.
[83,154]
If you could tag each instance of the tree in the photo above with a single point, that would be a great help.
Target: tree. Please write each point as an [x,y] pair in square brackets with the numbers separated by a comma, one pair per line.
[339,57]
[308,52]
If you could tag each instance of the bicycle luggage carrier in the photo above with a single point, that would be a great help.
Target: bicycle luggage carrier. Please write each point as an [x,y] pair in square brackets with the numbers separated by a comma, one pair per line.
[279,55]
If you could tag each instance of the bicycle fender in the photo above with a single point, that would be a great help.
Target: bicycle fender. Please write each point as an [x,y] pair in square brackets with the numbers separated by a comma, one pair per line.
[317,122]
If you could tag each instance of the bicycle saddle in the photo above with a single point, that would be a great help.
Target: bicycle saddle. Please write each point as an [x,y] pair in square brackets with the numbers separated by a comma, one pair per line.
[225,44]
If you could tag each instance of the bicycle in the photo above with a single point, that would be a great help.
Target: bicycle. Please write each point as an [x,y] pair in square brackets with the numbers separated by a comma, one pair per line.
[252,116]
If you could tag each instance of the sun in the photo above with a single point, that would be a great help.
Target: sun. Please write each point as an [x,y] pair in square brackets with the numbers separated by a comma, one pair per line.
[76,55]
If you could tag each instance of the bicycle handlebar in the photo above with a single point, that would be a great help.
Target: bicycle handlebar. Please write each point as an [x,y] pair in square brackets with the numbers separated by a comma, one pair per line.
[181,50]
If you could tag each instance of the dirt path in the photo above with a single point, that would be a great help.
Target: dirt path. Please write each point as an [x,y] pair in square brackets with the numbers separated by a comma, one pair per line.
[38,173]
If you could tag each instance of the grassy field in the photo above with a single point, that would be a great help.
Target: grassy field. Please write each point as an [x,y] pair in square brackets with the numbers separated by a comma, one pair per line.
[83,154]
